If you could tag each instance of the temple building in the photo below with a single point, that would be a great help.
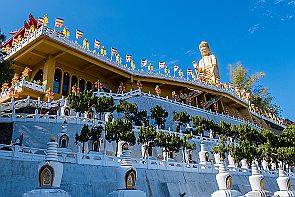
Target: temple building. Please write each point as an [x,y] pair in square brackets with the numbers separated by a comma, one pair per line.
[59,64]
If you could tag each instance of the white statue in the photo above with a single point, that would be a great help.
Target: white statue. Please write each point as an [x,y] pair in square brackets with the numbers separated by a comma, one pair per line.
[208,66]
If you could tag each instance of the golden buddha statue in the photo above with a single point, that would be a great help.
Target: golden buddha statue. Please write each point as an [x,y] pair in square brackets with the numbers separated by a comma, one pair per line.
[208,66]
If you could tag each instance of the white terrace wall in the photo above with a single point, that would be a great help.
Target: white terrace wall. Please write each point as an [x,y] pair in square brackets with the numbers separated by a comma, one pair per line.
[37,134]
[18,177]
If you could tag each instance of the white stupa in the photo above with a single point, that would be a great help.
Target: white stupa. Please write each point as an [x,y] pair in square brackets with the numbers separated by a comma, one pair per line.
[257,184]
[49,175]
[126,174]
[224,181]
[284,183]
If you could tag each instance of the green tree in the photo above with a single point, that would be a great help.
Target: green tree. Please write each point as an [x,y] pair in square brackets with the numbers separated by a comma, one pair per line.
[141,118]
[104,104]
[147,136]
[83,137]
[159,114]
[186,145]
[120,131]
[262,98]
[181,118]
[128,109]
[200,124]
[240,77]
[221,147]
[82,101]
[170,142]
[6,71]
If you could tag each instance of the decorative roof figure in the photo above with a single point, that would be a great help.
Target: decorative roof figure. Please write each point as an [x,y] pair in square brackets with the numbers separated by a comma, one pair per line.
[208,67]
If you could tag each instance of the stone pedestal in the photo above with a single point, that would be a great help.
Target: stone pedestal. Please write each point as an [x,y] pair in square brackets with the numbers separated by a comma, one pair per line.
[257,184]
[284,185]
[41,192]
[224,181]
[127,193]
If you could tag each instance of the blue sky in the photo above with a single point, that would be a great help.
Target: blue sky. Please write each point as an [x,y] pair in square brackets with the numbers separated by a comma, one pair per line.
[257,33]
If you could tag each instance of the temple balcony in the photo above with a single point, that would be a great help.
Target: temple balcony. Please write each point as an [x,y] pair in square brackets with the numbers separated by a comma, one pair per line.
[23,89]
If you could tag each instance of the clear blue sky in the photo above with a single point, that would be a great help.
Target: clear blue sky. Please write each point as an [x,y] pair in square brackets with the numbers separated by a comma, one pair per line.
[258,33]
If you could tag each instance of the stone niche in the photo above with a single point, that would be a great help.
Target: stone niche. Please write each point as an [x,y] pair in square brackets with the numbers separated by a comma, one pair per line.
[46,176]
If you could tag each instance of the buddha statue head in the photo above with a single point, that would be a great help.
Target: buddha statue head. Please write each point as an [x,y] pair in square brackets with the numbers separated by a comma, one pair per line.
[204,48]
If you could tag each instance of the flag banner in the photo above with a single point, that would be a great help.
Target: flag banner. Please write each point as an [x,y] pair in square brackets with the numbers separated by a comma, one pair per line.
[150,67]
[96,44]
[128,58]
[114,52]
[217,81]
[175,68]
[59,22]
[40,21]
[189,71]
[79,34]
[180,73]
[27,32]
[161,65]
[143,62]
[133,66]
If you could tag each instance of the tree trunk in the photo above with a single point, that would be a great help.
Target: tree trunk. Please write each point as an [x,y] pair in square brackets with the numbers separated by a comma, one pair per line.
[183,151]
[117,148]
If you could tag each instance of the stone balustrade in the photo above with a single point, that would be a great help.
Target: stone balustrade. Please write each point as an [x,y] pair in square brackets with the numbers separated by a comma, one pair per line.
[23,84]
[98,158]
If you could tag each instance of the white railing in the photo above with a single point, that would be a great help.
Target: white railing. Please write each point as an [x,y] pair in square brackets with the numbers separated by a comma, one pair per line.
[52,33]
[24,84]
[22,117]
[140,93]
[97,158]
[58,103]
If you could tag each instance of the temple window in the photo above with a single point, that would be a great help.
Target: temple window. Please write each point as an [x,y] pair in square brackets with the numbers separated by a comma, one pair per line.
[46,175]
[65,85]
[88,86]
[63,142]
[39,75]
[74,80]
[82,84]
[57,81]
